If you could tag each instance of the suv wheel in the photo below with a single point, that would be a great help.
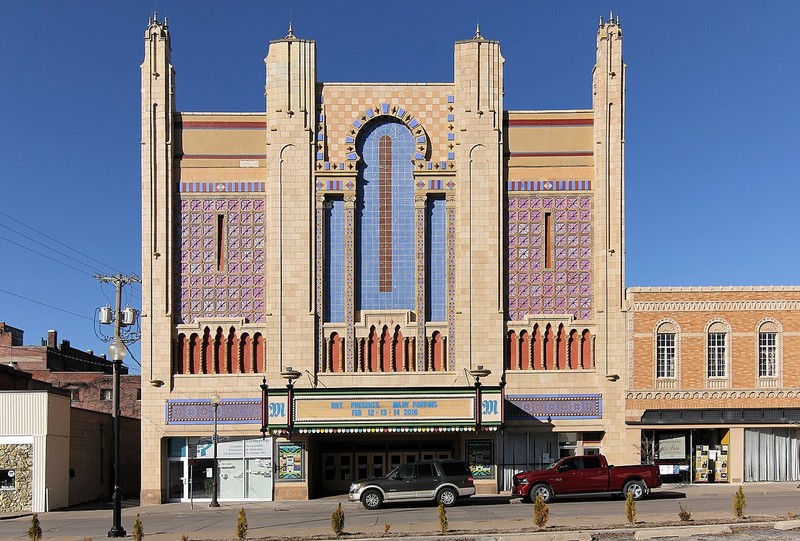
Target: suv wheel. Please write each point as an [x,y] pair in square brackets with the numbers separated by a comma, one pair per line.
[447,497]
[372,499]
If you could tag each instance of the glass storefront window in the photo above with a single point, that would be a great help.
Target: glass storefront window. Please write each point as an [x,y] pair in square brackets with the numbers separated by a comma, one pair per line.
[244,468]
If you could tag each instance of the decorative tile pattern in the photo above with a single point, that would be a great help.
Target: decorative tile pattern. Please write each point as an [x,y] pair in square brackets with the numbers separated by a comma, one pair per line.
[220,187]
[548,185]
[239,289]
[588,406]
[564,288]
[420,141]
[451,284]
[420,307]
[201,412]
[320,254]
[349,280]
[344,103]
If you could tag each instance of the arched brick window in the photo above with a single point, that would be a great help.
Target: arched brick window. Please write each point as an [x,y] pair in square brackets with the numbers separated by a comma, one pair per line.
[525,350]
[513,363]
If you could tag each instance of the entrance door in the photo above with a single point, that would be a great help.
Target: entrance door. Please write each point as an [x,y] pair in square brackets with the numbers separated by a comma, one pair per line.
[201,478]
[176,480]
[370,465]
[337,475]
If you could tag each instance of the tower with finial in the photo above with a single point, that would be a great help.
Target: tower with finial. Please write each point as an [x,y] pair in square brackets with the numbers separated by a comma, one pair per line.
[478,108]
[608,103]
[157,159]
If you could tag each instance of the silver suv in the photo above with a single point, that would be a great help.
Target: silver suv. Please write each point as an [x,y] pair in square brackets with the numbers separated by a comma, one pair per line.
[444,481]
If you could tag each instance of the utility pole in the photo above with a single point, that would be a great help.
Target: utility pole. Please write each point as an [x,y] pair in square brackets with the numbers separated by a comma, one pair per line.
[116,351]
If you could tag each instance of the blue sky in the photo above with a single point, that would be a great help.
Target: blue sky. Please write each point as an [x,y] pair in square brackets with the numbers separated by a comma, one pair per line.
[713,123]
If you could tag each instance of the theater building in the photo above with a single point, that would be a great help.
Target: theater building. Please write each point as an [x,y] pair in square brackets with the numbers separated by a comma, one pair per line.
[371,273]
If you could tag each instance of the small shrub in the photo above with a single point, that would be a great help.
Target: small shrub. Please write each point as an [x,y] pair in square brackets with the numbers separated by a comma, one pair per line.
[685,514]
[790,515]
[541,513]
[442,518]
[630,508]
[337,520]
[35,529]
[739,503]
[184,537]
[386,528]
[138,529]
[241,524]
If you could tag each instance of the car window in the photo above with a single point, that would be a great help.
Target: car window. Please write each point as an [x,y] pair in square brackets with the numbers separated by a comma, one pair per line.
[424,471]
[455,469]
[591,462]
[569,465]
[406,471]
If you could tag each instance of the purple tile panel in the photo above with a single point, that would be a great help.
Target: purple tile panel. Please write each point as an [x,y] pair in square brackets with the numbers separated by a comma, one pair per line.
[565,288]
[238,289]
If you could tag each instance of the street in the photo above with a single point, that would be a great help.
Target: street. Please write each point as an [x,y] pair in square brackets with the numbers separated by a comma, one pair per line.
[478,514]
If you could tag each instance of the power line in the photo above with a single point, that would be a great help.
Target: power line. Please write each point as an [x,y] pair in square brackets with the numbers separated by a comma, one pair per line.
[46,256]
[45,304]
[57,241]
[48,247]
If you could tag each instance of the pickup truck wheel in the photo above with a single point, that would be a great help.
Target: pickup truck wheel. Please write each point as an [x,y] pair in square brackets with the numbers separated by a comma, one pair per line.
[372,499]
[447,497]
[637,488]
[541,490]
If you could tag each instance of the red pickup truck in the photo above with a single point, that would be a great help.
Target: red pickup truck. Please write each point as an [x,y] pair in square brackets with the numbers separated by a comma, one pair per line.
[587,474]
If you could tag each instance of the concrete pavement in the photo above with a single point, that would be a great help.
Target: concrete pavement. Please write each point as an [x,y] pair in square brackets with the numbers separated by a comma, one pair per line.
[488,518]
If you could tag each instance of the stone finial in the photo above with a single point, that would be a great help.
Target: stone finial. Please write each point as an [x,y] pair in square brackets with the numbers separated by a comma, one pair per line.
[478,32]
[290,35]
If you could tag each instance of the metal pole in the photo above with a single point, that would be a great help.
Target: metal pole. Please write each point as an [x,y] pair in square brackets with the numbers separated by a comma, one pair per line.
[116,529]
[214,502]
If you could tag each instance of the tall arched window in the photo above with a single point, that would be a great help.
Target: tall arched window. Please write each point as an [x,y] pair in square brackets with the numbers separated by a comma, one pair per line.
[769,353]
[385,259]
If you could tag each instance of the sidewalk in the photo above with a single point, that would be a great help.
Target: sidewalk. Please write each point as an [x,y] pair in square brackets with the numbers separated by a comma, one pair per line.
[490,518]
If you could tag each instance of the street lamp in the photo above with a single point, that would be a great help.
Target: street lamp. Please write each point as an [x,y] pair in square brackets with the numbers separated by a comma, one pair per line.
[290,375]
[116,350]
[215,402]
[478,373]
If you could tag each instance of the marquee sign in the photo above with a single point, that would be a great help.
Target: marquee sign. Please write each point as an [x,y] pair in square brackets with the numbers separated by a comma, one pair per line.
[402,408]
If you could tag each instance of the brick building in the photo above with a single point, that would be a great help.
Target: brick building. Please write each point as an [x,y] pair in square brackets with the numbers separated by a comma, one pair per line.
[58,405]
[713,378]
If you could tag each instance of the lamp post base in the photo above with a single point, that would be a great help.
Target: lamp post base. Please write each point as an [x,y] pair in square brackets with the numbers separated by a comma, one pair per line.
[117,532]
[213,504]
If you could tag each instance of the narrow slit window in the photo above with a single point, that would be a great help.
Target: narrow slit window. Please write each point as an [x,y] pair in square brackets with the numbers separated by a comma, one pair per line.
[220,242]
[548,240]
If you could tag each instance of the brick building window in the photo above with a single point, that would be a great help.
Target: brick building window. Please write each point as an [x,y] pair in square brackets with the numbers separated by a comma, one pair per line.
[767,354]
[105,394]
[716,354]
[665,355]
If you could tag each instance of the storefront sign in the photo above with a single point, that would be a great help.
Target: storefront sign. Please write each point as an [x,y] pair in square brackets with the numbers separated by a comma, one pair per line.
[672,446]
